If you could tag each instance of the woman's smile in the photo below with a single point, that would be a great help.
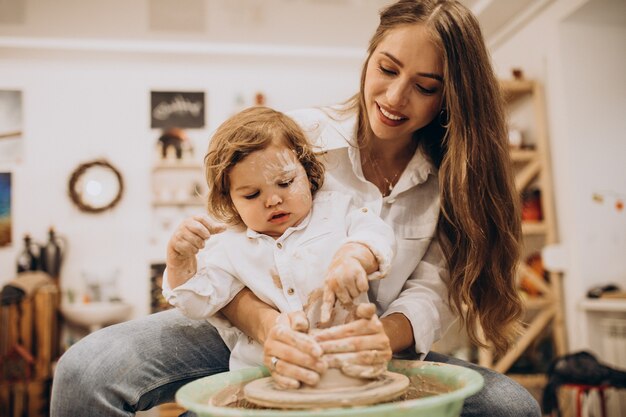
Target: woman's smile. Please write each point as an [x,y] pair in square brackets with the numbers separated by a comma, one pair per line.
[389,117]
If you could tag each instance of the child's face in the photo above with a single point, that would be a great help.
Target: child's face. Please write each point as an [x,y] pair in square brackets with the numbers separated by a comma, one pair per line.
[270,190]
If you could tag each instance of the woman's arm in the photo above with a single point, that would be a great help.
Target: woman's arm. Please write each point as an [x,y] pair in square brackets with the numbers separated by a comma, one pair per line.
[399,331]
[251,315]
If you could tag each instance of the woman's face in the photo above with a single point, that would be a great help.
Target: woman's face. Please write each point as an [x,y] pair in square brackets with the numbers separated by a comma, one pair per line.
[403,83]
[270,190]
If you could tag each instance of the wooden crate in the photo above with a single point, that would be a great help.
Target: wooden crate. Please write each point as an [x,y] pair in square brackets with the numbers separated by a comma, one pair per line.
[18,399]
[29,345]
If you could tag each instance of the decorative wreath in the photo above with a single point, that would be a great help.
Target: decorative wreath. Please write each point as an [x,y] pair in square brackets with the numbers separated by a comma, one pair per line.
[80,171]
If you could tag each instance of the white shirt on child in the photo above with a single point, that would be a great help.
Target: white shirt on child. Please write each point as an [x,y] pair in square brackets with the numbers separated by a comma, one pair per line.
[282,272]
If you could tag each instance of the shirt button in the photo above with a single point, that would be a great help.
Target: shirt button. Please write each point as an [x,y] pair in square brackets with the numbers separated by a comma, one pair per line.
[279,245]
[290,291]
[364,209]
[391,201]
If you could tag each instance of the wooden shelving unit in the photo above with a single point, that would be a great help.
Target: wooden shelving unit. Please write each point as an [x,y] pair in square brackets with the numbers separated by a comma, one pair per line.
[532,169]
[179,178]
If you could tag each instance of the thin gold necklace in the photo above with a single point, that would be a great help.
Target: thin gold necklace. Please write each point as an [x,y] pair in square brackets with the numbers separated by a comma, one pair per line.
[388,184]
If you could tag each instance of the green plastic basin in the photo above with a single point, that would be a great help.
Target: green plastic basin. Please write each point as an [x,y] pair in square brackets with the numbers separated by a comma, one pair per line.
[459,383]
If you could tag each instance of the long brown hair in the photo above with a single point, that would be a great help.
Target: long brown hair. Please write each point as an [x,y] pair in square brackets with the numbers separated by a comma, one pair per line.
[250,130]
[480,224]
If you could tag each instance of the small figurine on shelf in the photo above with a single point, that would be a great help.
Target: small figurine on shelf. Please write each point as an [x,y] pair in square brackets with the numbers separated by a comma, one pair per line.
[176,139]
[259,99]
[518,74]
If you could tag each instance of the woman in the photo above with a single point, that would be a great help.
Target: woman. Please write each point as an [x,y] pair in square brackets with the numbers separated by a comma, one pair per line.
[424,145]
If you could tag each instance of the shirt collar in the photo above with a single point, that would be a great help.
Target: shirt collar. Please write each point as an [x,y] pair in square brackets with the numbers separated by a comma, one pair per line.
[339,130]
[339,134]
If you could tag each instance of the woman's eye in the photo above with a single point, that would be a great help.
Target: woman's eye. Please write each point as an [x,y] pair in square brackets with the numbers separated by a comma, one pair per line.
[425,91]
[386,71]
[251,196]
[285,184]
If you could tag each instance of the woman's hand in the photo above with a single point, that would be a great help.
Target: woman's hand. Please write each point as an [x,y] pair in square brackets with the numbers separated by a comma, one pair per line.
[184,245]
[346,277]
[293,357]
[360,348]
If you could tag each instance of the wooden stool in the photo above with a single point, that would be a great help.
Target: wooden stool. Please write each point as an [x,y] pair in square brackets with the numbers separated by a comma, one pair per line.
[28,349]
[578,391]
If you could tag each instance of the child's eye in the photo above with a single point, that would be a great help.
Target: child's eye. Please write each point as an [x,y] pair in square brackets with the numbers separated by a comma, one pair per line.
[285,184]
[251,196]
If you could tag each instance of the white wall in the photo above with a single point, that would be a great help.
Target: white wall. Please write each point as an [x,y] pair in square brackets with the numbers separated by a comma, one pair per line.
[581,61]
[79,106]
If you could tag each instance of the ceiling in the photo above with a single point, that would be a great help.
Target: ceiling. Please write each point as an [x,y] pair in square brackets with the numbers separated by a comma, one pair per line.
[288,22]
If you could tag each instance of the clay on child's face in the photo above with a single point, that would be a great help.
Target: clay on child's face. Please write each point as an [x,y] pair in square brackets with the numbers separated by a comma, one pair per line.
[270,190]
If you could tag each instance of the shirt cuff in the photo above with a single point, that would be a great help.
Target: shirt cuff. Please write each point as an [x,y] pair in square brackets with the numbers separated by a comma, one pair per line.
[381,250]
[421,319]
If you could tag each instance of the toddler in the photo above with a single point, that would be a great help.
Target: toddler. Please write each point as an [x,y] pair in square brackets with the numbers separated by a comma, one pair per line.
[285,237]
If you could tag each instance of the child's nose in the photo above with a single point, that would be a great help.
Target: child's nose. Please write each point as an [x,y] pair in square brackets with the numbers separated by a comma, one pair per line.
[273,200]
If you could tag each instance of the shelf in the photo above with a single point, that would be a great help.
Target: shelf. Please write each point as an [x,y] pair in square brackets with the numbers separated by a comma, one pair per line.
[184,203]
[177,165]
[534,228]
[536,303]
[604,305]
[514,89]
[523,155]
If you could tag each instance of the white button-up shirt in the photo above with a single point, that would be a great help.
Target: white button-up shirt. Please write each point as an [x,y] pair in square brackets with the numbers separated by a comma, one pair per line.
[415,285]
[282,272]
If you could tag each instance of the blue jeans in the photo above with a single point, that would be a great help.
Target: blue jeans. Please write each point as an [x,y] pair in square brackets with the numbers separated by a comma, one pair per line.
[141,363]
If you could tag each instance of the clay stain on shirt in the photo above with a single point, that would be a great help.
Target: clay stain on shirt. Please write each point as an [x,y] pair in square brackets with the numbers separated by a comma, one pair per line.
[276,279]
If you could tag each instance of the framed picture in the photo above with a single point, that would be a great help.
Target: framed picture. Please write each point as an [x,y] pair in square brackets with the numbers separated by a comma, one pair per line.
[5,209]
[183,110]
[10,126]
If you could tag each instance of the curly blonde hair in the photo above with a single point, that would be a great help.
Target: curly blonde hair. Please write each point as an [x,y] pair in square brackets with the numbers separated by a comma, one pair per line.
[251,130]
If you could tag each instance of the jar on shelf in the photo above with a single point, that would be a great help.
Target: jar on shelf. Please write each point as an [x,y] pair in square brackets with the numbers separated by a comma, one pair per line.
[28,259]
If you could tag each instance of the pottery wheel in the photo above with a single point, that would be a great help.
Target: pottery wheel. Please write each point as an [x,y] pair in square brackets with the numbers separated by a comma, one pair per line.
[386,387]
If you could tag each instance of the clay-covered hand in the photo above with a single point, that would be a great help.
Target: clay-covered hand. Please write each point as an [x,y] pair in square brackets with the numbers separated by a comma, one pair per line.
[346,277]
[184,245]
[360,348]
[292,356]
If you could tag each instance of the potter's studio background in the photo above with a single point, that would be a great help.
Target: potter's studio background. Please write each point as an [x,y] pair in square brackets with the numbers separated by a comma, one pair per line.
[105,113]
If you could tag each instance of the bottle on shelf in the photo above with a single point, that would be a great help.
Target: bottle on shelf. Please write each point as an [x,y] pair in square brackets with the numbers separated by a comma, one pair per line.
[51,256]
[28,259]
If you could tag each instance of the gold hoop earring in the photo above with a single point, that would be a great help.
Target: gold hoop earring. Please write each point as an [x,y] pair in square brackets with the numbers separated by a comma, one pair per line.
[443,117]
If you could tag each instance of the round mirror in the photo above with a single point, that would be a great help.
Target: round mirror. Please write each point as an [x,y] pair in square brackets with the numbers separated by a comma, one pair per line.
[96,186]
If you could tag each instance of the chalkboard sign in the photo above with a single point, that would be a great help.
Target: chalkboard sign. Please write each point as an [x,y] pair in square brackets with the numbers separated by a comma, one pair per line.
[176,109]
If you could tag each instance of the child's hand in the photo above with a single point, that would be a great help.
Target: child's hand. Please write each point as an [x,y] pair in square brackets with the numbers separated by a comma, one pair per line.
[346,277]
[183,246]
